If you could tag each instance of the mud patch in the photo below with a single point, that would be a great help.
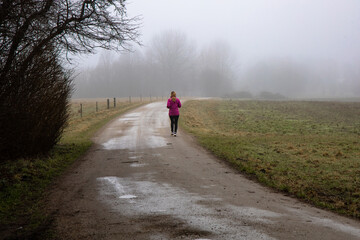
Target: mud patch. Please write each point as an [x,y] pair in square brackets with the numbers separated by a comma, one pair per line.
[173,227]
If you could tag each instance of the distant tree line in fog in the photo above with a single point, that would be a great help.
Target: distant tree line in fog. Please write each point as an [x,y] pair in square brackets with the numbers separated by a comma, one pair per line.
[172,62]
[303,79]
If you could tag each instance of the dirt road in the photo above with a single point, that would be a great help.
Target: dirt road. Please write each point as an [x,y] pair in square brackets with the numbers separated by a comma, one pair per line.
[138,182]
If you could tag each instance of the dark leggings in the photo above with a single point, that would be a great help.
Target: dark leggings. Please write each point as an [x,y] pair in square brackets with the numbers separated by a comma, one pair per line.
[174,123]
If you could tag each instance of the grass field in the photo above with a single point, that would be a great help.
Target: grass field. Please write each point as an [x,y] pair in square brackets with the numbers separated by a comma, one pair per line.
[24,182]
[308,149]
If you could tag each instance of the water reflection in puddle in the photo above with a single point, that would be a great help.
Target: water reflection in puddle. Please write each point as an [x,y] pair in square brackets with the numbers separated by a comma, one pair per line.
[154,198]
[138,164]
[143,130]
[127,196]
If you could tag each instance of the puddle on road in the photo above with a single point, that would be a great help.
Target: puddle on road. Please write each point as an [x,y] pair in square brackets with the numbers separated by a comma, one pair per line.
[154,199]
[129,196]
[138,165]
[143,132]
[124,142]
[129,117]
[208,186]
[131,142]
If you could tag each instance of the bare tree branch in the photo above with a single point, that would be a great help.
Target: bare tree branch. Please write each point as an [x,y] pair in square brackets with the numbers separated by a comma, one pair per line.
[73,26]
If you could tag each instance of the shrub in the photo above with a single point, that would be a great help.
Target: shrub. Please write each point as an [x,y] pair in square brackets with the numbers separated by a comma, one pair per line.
[33,107]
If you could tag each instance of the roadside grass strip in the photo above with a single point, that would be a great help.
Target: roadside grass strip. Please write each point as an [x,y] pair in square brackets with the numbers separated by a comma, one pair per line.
[23,182]
[308,149]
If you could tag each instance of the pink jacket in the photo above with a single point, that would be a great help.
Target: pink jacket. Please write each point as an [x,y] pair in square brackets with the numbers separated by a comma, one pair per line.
[173,107]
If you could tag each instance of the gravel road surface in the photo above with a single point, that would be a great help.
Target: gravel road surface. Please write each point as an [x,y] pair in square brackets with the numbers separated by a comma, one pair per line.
[138,182]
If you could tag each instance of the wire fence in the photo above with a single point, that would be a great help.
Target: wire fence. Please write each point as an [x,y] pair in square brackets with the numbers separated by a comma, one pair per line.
[85,106]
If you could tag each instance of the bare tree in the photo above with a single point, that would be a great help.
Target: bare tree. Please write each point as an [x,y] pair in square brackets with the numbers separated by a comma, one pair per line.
[216,66]
[173,54]
[33,36]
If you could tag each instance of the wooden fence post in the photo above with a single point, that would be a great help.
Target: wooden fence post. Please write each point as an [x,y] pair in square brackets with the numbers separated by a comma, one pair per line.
[108,103]
[97,107]
[81,110]
[114,102]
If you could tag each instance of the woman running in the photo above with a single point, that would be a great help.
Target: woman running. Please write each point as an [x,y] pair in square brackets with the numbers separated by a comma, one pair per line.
[173,104]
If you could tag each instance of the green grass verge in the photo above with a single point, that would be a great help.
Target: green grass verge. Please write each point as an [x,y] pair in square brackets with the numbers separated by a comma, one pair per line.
[23,182]
[308,149]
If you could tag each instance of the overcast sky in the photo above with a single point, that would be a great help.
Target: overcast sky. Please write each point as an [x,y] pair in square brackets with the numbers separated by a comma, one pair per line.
[259,29]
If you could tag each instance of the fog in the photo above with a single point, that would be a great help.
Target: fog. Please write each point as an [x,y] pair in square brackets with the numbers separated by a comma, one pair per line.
[297,49]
